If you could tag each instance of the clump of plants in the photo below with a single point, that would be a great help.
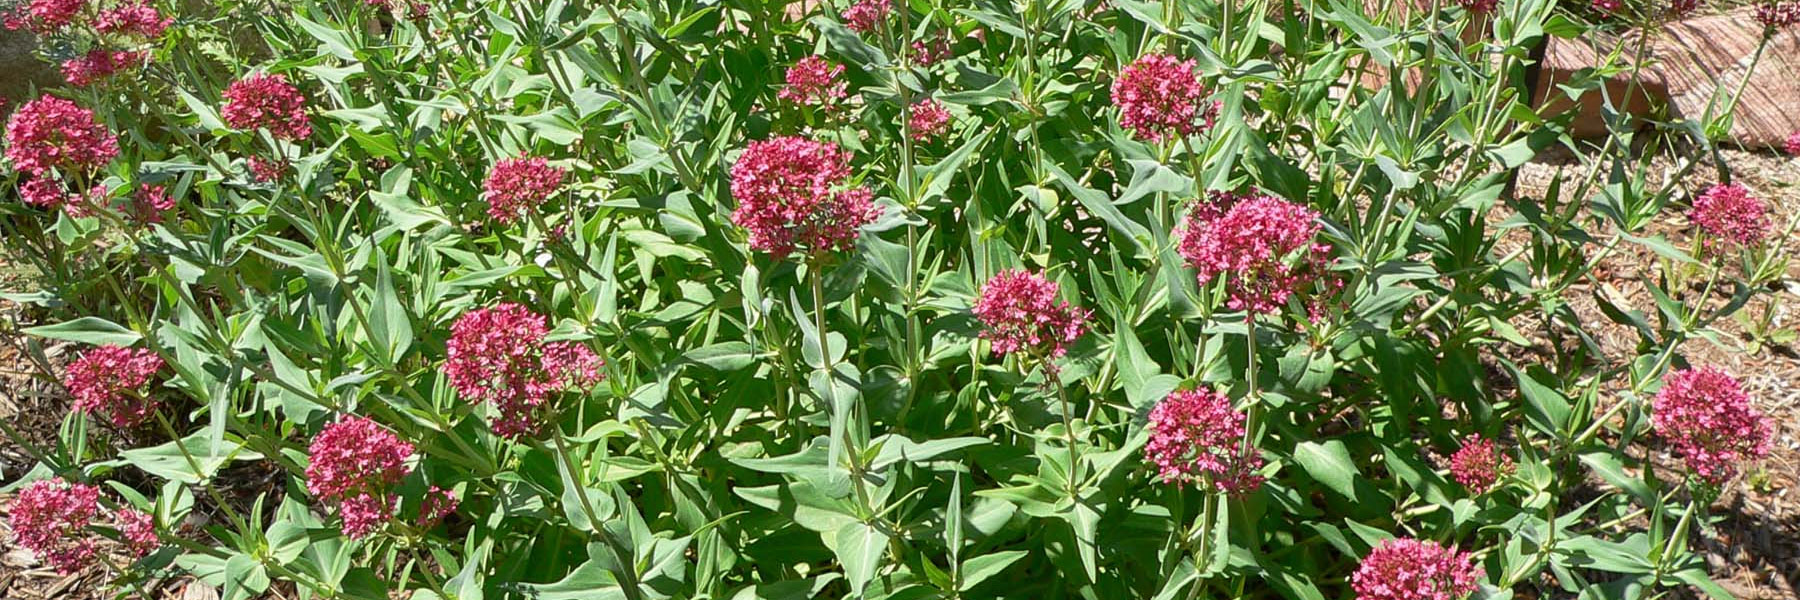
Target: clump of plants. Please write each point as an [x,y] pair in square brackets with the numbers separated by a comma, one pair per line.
[918,299]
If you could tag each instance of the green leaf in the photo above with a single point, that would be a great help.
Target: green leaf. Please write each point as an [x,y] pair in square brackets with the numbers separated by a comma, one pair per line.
[860,547]
[980,568]
[1329,463]
[88,330]
[169,462]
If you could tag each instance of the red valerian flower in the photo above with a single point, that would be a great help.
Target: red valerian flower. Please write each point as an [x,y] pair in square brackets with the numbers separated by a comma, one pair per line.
[50,517]
[43,193]
[1262,244]
[1778,14]
[136,19]
[498,355]
[1681,8]
[265,170]
[1728,211]
[867,15]
[793,194]
[99,64]
[266,101]
[927,119]
[813,81]
[1020,312]
[438,504]
[1479,464]
[1793,144]
[1162,98]
[1608,7]
[148,203]
[926,53]
[356,463]
[137,530]
[44,16]
[516,186]
[1708,420]
[112,381]
[53,133]
[1409,569]
[1196,436]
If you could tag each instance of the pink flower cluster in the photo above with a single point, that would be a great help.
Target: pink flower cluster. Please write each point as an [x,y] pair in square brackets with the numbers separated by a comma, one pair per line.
[1262,243]
[927,119]
[516,186]
[1479,464]
[1480,7]
[138,530]
[793,194]
[148,203]
[264,170]
[930,52]
[44,16]
[1793,144]
[50,519]
[1608,7]
[137,19]
[1020,312]
[813,81]
[99,64]
[356,463]
[1409,569]
[266,101]
[498,355]
[438,504]
[1778,14]
[1728,211]
[53,133]
[1196,436]
[112,380]
[1707,418]
[867,15]
[1161,98]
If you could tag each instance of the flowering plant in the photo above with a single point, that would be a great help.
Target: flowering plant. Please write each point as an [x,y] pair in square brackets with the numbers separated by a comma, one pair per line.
[871,299]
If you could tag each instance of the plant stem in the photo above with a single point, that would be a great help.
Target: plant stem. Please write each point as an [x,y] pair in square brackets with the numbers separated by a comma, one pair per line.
[627,567]
[1068,411]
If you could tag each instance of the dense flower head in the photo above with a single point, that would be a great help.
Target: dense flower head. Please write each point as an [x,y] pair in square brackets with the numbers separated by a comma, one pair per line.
[813,81]
[1778,14]
[43,193]
[1793,144]
[148,203]
[53,133]
[137,530]
[1681,8]
[1160,98]
[99,64]
[1196,436]
[1479,464]
[932,51]
[1705,416]
[50,517]
[516,186]
[1020,312]
[137,19]
[499,355]
[437,504]
[44,16]
[867,15]
[1608,7]
[1730,212]
[1479,7]
[793,194]
[1409,569]
[927,119]
[356,463]
[1262,244]
[266,101]
[264,170]
[112,381]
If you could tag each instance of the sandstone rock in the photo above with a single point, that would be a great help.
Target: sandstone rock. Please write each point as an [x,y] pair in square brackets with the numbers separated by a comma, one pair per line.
[1697,57]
